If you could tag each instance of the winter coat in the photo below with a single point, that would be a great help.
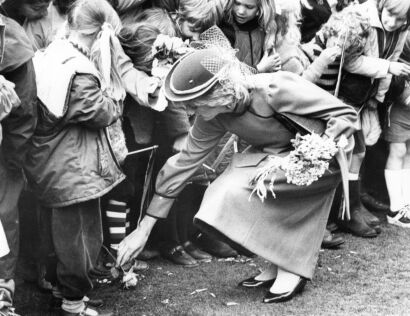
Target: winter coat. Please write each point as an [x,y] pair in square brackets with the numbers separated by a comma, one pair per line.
[249,40]
[17,67]
[71,159]
[369,63]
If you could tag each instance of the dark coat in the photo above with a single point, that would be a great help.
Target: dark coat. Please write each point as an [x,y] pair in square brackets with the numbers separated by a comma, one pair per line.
[17,67]
[71,159]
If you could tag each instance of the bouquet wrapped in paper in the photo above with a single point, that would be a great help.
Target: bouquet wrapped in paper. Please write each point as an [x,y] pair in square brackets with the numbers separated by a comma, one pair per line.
[304,165]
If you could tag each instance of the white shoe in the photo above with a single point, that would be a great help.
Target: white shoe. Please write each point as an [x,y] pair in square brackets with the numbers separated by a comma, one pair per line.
[400,218]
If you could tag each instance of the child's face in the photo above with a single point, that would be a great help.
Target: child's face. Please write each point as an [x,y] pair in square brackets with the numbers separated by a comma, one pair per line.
[34,11]
[245,10]
[392,21]
[188,31]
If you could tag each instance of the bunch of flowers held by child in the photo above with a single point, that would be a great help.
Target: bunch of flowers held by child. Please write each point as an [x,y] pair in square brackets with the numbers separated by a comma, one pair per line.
[304,165]
[165,51]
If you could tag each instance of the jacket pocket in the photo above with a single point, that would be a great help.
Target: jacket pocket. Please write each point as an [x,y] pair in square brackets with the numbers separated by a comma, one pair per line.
[102,157]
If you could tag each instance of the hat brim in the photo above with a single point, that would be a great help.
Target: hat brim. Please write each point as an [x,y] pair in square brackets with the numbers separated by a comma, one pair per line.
[173,97]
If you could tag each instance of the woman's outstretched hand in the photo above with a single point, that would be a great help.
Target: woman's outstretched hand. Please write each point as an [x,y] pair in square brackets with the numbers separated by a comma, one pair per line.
[135,242]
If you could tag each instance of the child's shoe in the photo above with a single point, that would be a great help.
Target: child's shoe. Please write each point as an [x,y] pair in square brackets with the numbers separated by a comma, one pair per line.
[400,218]
[79,308]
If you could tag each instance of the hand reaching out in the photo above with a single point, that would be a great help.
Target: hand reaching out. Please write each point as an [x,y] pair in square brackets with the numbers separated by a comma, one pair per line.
[269,63]
[8,97]
[135,242]
[330,54]
[399,69]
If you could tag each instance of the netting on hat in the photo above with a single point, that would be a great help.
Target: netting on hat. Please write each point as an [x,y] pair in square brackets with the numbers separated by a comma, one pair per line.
[222,62]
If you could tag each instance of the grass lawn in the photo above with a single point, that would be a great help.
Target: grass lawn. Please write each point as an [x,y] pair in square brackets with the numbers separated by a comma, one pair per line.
[364,277]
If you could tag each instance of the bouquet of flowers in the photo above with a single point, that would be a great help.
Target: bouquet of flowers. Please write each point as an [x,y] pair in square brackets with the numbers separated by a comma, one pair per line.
[304,165]
[165,51]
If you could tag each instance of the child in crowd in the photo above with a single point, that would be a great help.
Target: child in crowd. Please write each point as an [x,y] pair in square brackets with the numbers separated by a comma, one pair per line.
[74,157]
[18,122]
[346,30]
[397,171]
[162,128]
[367,78]
[43,31]
[252,24]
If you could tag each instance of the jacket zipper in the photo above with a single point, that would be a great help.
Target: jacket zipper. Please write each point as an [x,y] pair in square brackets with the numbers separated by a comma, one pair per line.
[250,41]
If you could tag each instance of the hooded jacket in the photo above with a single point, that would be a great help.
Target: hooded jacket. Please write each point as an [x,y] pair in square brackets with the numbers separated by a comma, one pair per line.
[71,159]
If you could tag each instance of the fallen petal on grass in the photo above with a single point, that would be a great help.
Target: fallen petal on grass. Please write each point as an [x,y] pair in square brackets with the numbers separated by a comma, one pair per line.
[231,303]
[165,301]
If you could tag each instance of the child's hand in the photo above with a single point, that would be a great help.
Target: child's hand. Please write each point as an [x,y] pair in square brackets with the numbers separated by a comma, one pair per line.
[8,97]
[269,63]
[330,54]
[399,69]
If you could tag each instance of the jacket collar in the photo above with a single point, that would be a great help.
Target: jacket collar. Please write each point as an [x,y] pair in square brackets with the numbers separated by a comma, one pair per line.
[373,13]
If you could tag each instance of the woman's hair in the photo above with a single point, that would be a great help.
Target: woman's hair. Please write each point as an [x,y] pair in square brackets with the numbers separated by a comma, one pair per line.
[219,96]
[97,19]
[287,22]
[201,14]
[266,19]
[231,90]
[396,7]
[138,37]
[351,24]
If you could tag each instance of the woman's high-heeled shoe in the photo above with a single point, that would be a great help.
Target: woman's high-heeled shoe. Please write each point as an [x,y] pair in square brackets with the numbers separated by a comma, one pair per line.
[252,283]
[283,297]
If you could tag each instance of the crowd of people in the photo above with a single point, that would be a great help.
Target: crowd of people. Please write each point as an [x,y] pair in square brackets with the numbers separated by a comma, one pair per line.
[132,129]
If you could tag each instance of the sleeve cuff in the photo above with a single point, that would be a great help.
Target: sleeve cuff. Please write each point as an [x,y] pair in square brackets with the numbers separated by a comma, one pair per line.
[160,206]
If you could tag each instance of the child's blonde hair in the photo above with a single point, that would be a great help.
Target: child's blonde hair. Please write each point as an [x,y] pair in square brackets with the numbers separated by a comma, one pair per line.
[396,7]
[287,22]
[266,19]
[201,14]
[97,19]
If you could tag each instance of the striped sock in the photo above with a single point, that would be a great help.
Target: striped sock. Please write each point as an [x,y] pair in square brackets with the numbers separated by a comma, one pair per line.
[127,222]
[116,219]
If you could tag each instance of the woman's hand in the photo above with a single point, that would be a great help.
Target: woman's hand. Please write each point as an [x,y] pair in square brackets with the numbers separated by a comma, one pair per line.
[135,242]
[399,69]
[269,63]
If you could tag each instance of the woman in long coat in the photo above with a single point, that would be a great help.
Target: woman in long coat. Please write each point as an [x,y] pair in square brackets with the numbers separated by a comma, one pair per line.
[286,230]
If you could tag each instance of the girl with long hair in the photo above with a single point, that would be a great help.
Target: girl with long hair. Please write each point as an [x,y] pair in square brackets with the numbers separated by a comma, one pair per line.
[254,27]
[78,146]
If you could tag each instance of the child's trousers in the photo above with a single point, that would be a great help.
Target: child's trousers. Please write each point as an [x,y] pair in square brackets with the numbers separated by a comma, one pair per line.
[76,232]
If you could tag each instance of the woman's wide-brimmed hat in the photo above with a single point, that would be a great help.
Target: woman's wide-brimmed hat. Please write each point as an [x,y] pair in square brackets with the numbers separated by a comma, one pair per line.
[193,75]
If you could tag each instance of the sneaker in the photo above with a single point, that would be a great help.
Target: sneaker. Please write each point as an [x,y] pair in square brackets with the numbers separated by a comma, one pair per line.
[400,218]
[8,311]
